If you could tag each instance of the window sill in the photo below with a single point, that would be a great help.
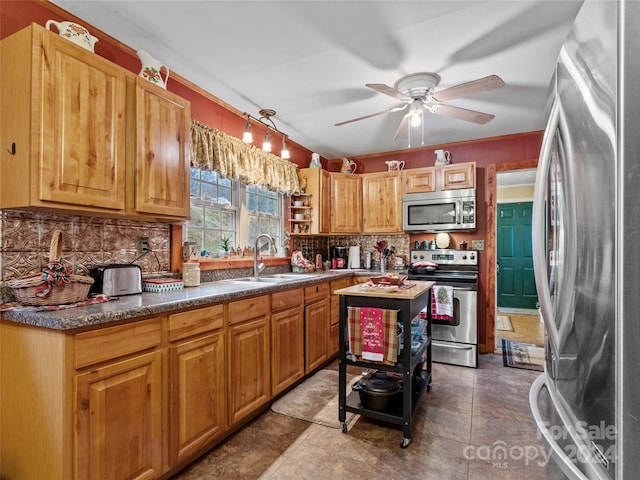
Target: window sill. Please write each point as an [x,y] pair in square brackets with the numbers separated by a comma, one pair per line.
[243,262]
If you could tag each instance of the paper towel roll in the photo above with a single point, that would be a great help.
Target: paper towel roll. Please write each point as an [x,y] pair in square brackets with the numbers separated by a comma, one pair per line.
[354,257]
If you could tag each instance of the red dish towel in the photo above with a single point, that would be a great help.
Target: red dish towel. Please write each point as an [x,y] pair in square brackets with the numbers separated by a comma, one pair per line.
[373,334]
[442,302]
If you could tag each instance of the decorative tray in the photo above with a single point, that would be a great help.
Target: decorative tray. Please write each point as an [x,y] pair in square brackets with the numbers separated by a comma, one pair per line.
[390,279]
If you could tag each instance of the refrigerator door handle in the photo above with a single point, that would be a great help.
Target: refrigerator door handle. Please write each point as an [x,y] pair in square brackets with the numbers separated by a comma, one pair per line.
[564,462]
[538,226]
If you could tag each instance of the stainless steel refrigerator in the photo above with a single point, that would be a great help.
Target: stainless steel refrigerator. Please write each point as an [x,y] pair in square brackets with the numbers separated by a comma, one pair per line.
[586,228]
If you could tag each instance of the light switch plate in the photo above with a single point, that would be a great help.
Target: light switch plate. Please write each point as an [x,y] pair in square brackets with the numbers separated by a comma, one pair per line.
[477,244]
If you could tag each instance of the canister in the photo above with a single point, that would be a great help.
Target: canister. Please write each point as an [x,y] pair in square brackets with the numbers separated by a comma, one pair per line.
[191,274]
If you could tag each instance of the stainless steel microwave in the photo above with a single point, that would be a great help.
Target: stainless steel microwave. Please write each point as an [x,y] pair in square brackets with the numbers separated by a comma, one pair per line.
[439,211]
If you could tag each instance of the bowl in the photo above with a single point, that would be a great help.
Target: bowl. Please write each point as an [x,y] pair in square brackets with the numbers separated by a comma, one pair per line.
[298,216]
[298,203]
[389,279]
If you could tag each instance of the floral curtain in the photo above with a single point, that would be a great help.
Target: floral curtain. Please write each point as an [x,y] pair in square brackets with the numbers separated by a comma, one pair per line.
[212,149]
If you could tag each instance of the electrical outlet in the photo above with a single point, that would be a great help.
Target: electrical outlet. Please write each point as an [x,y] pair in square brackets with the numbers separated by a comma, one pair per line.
[477,244]
[143,245]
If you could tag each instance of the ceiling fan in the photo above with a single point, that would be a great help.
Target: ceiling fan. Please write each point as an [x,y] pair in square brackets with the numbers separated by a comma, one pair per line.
[416,92]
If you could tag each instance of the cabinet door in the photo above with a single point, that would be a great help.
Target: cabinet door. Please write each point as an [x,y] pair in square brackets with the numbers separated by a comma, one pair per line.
[119,429]
[418,180]
[287,348]
[382,202]
[249,368]
[162,160]
[346,203]
[83,127]
[324,206]
[197,394]
[316,318]
[458,176]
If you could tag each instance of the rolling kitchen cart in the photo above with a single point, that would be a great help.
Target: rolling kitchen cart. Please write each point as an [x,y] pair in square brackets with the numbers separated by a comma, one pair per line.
[414,362]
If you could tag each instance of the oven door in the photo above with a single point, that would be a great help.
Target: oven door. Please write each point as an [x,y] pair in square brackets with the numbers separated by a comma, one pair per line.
[463,327]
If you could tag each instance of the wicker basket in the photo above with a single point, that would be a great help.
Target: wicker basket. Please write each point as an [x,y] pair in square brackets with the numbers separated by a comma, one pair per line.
[74,291]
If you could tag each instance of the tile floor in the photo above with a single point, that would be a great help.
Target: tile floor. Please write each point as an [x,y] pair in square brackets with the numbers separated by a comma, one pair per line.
[475,424]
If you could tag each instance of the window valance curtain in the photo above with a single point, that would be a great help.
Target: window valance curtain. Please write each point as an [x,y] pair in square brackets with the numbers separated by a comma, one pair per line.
[212,149]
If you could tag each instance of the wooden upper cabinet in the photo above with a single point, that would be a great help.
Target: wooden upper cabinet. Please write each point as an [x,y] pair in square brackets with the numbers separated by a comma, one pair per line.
[64,109]
[162,160]
[317,183]
[458,176]
[87,136]
[419,180]
[382,202]
[346,203]
[444,177]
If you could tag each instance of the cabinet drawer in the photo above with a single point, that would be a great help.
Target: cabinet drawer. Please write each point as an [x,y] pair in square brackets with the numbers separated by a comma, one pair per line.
[112,342]
[316,292]
[286,299]
[246,309]
[193,322]
[341,283]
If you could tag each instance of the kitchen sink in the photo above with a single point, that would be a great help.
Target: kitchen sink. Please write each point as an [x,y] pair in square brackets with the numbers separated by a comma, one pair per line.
[265,279]
[290,276]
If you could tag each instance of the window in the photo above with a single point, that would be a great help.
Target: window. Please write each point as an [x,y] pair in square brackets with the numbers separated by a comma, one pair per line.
[225,208]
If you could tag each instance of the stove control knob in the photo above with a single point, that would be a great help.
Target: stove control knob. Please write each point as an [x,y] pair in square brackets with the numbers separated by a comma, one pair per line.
[464,257]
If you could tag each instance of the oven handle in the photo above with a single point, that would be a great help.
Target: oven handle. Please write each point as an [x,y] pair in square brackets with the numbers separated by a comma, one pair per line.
[436,343]
[464,289]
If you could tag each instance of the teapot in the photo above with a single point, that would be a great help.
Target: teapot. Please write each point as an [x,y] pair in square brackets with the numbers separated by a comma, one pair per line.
[443,157]
[348,166]
[74,32]
[151,68]
[394,165]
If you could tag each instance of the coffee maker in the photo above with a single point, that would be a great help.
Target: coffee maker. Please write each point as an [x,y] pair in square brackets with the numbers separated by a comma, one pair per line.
[338,257]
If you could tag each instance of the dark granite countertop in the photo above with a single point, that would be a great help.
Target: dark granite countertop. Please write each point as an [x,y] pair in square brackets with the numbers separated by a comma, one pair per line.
[144,304]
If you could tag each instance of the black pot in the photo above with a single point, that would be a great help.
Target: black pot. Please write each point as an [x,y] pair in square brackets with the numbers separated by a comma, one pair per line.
[379,392]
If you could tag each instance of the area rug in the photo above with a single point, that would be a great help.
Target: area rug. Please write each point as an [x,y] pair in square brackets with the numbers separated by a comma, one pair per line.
[504,323]
[522,355]
[316,400]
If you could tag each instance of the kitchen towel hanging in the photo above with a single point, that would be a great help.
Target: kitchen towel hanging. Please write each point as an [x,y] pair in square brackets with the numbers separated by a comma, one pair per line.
[354,257]
[442,302]
[373,334]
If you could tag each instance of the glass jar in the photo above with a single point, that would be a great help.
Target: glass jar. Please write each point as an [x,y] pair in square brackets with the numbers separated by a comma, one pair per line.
[191,274]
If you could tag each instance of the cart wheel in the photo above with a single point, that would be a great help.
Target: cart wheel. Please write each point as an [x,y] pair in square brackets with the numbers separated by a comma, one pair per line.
[404,443]
[344,427]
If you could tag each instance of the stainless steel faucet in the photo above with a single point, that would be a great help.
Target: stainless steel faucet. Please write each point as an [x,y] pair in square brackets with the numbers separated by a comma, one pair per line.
[259,267]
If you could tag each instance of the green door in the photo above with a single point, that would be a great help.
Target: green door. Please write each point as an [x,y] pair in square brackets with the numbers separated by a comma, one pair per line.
[516,285]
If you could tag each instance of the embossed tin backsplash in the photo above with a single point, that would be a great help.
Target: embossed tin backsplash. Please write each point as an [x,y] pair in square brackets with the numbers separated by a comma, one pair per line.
[25,239]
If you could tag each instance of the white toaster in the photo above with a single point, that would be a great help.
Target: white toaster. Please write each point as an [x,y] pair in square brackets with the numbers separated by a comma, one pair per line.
[117,279]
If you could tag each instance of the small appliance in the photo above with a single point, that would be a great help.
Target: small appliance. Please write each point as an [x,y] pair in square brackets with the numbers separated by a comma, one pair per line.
[116,279]
[338,257]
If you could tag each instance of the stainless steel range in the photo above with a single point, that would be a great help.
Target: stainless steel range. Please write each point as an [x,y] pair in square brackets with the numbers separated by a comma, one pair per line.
[455,338]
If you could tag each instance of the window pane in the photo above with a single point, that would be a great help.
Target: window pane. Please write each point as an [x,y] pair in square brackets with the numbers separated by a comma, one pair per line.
[194,235]
[209,176]
[212,241]
[224,196]
[228,221]
[212,218]
[209,192]
[197,216]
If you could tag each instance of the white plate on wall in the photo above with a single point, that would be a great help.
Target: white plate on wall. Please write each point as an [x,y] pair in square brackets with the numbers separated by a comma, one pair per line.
[442,240]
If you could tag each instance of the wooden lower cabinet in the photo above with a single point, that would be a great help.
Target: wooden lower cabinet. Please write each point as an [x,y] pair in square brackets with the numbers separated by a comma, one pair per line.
[249,368]
[197,394]
[316,326]
[140,400]
[119,420]
[287,339]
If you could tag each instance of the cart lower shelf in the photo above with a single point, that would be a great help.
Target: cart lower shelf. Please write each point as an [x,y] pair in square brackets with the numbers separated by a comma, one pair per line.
[395,416]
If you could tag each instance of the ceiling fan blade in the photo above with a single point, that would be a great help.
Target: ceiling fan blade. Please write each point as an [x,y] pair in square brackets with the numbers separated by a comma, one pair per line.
[397,108]
[461,113]
[387,90]
[469,88]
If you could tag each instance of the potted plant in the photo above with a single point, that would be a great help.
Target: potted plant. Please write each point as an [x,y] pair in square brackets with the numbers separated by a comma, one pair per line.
[225,244]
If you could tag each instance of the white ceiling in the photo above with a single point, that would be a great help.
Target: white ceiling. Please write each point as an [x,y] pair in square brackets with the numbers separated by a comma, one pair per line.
[309,60]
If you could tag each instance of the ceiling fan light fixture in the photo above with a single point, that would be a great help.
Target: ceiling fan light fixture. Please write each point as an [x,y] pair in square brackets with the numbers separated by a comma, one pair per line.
[416,118]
